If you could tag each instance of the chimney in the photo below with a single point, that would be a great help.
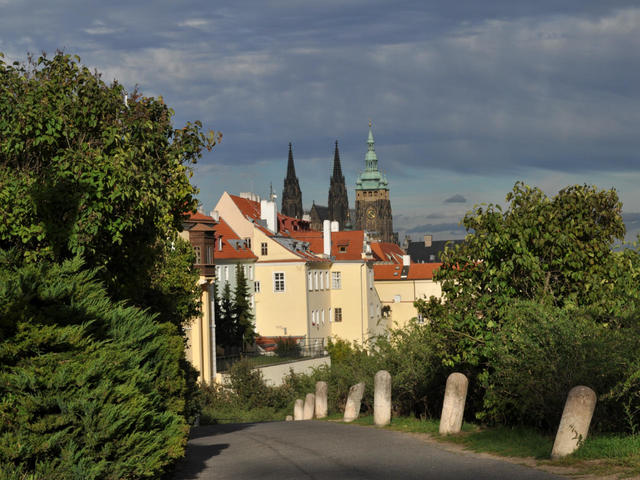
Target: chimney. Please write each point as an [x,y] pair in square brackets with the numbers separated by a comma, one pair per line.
[428,240]
[335,226]
[215,215]
[326,237]
[220,243]
[269,212]
[406,260]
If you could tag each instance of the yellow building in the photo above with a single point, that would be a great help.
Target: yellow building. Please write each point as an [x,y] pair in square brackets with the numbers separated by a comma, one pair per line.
[307,283]
[199,230]
[401,284]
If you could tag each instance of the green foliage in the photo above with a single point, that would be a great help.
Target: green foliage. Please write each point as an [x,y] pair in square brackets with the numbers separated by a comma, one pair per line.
[243,318]
[81,173]
[226,334]
[287,347]
[89,388]
[556,250]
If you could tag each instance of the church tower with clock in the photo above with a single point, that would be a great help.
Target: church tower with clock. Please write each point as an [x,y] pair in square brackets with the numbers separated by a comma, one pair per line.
[373,207]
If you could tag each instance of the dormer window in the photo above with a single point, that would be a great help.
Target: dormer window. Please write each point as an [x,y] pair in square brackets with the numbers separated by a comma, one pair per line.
[342,249]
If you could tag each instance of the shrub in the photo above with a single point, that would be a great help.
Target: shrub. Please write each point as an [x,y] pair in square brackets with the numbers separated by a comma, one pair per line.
[287,347]
[88,388]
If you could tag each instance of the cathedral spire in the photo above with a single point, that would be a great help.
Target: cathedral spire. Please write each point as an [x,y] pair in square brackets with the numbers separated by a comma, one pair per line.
[338,199]
[337,168]
[291,193]
[291,168]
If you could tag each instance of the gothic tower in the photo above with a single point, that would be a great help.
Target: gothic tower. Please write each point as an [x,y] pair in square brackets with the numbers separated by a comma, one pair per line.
[373,207]
[291,194]
[338,199]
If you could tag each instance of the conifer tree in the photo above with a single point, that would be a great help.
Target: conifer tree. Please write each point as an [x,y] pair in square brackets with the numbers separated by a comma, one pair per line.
[225,324]
[243,317]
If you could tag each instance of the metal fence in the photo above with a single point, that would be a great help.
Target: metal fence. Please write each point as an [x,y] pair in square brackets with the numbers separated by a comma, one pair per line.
[283,349]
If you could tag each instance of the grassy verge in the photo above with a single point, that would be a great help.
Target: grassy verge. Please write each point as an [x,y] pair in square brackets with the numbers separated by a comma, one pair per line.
[232,414]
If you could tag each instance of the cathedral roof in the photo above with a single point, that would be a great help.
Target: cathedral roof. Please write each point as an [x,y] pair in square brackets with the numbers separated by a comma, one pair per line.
[371,178]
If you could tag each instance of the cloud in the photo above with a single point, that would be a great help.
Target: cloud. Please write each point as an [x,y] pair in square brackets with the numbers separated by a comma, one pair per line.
[194,23]
[457,198]
[437,228]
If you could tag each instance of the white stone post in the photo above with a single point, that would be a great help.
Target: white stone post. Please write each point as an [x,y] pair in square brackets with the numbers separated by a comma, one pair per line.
[309,406]
[574,424]
[352,408]
[321,399]
[382,398]
[455,396]
[298,409]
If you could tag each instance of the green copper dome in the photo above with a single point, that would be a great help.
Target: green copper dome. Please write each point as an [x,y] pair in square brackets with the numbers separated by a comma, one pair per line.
[371,178]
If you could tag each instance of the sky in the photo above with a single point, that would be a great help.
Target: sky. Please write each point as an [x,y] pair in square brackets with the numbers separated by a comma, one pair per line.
[466,97]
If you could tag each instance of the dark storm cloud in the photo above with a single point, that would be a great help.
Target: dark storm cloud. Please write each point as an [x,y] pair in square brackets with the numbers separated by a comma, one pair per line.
[437,228]
[472,87]
[457,198]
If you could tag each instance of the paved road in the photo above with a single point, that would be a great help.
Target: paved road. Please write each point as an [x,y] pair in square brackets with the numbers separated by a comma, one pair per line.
[327,450]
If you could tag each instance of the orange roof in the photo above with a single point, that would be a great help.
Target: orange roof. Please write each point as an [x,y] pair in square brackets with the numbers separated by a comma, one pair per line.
[387,252]
[347,245]
[199,217]
[286,224]
[232,246]
[416,271]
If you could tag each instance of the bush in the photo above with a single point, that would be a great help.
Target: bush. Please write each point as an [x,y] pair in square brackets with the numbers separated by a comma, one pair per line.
[543,352]
[287,347]
[88,388]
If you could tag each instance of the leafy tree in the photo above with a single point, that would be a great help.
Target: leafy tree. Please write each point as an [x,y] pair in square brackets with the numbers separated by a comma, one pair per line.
[552,250]
[84,172]
[245,331]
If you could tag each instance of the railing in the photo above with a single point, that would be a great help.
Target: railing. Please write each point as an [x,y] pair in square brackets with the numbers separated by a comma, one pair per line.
[287,349]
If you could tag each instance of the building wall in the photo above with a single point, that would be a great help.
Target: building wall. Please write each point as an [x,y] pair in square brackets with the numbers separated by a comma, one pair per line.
[198,332]
[359,302]
[400,295]
[281,313]
[319,301]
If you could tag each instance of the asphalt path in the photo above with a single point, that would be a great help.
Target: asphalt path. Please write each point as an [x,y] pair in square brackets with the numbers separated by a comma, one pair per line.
[327,450]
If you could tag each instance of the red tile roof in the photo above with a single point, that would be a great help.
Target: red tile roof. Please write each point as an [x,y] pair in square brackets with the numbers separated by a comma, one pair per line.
[199,217]
[251,209]
[387,252]
[230,249]
[417,271]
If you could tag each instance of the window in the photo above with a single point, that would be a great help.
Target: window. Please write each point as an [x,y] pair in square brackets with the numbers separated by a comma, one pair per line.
[397,299]
[263,248]
[342,249]
[217,272]
[420,318]
[256,286]
[209,255]
[250,276]
[315,281]
[338,315]
[337,280]
[323,316]
[326,280]
[310,280]
[247,242]
[278,281]
[198,255]
[330,317]
[321,280]
[226,273]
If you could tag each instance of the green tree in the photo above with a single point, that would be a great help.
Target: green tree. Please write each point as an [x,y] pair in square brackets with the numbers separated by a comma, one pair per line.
[552,250]
[243,318]
[225,321]
[84,173]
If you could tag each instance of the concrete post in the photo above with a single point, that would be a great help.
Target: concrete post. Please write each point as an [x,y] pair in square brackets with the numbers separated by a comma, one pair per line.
[382,398]
[455,396]
[309,406]
[352,409]
[289,418]
[298,410]
[321,399]
[574,424]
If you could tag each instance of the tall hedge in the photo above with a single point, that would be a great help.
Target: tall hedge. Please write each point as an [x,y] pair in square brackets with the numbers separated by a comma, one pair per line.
[89,388]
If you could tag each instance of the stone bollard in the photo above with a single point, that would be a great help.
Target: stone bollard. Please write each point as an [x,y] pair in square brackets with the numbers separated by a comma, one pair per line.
[382,398]
[455,396]
[289,418]
[352,408]
[574,424]
[321,399]
[298,410]
[309,406]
